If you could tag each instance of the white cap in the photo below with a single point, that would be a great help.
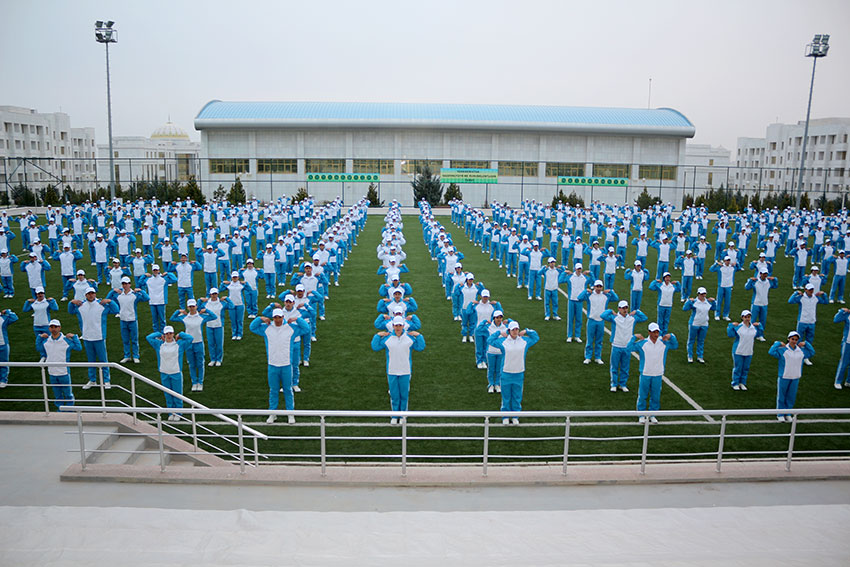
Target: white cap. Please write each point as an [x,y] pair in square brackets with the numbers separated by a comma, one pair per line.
[277,313]
[701,290]
[138,249]
[191,302]
[762,255]
[815,269]
[249,261]
[125,279]
[597,282]
[300,287]
[793,334]
[213,290]
[234,274]
[553,259]
[167,329]
[513,325]
[623,303]
[810,286]
[89,290]
[762,270]
[577,266]
[610,249]
[485,293]
[665,274]
[54,323]
[689,251]
[155,267]
[745,312]
[470,276]
[498,313]
[638,263]
[397,320]
[654,327]
[535,243]
[81,272]
[289,297]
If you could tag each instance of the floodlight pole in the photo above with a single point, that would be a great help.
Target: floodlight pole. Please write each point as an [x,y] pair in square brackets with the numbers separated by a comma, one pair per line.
[818,48]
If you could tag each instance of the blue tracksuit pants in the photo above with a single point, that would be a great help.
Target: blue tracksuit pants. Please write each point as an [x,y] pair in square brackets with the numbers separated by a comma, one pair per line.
[215,339]
[550,302]
[269,278]
[195,356]
[649,391]
[595,334]
[534,284]
[637,299]
[399,385]
[740,369]
[786,393]
[251,300]
[807,331]
[664,318]
[696,336]
[494,369]
[62,393]
[574,319]
[130,338]
[237,319]
[843,365]
[184,294]
[522,275]
[210,281]
[512,383]
[280,377]
[158,317]
[96,352]
[620,361]
[836,292]
[4,370]
[172,382]
[724,301]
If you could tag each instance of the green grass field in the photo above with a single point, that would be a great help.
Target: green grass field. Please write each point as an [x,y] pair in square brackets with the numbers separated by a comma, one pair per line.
[345,373]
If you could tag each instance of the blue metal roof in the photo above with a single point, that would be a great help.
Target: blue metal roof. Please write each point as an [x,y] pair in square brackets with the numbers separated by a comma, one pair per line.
[319,114]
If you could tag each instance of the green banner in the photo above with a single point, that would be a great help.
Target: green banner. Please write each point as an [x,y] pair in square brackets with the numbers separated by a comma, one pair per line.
[602,181]
[345,177]
[468,175]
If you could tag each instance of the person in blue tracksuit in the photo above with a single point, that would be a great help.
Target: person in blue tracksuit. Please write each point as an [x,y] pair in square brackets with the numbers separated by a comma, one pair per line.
[218,306]
[92,315]
[552,276]
[41,308]
[698,322]
[464,295]
[790,370]
[279,335]
[194,321]
[236,294]
[56,347]
[170,348]
[808,301]
[637,276]
[7,317]
[597,300]
[127,300]
[183,271]
[399,346]
[725,280]
[156,285]
[577,282]
[842,380]
[653,357]
[476,312]
[745,334]
[760,286]
[622,328]
[513,345]
[250,276]
[666,290]
[494,356]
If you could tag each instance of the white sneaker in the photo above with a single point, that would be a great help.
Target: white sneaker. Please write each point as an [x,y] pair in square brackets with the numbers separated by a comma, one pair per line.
[832,301]
[515,421]
[624,389]
[690,360]
[529,298]
[557,318]
[394,421]
[463,339]
[123,360]
[599,361]
[736,387]
[200,387]
[789,419]
[780,418]
[727,319]
[306,363]
[498,389]
[212,363]
[701,360]
[271,419]
[717,318]
[761,339]
[578,340]
[490,389]
[653,419]
[3,384]
[506,421]
[546,318]
[107,385]
[336,284]
[313,339]
[642,419]
[807,362]
[613,389]
[218,363]
[321,317]
[63,299]
[296,389]
[586,361]
[569,339]
[194,387]
[743,387]
[838,386]
[89,384]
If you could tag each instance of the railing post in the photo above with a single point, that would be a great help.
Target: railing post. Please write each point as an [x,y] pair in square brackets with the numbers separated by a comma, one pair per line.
[645,445]
[486,445]
[322,443]
[133,397]
[256,453]
[102,388]
[241,444]
[566,444]
[791,442]
[195,431]
[159,440]
[44,390]
[82,440]
[721,442]
[404,446]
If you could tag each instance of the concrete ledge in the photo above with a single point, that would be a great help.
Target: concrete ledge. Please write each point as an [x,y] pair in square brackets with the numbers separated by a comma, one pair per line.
[461,476]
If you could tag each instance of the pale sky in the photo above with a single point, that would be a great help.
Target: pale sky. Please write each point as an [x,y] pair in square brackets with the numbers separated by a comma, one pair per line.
[732,67]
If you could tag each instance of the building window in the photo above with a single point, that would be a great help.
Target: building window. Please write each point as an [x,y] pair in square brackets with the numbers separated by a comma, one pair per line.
[229,165]
[277,166]
[841,155]
[383,166]
[411,166]
[655,172]
[558,169]
[470,164]
[518,168]
[325,165]
[710,178]
[613,170]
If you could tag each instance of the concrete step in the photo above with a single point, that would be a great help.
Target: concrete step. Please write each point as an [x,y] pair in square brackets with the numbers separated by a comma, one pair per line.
[150,458]
[121,449]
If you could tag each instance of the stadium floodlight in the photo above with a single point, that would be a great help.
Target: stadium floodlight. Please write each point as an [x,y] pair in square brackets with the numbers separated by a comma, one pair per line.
[818,48]
[104,33]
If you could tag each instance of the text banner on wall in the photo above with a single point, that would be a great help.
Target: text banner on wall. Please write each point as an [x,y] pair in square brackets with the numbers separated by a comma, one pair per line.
[468,175]
[603,181]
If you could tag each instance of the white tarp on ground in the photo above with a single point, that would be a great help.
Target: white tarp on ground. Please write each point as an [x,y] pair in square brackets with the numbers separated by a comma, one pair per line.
[728,536]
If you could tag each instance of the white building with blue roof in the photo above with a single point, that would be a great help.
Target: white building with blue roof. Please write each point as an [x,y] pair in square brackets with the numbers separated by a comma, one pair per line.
[336,149]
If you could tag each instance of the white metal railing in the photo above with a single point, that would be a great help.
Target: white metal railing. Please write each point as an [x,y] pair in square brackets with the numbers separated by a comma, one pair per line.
[559,427]
[201,435]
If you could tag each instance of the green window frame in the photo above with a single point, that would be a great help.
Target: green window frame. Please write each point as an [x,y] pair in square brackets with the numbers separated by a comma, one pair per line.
[559,169]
